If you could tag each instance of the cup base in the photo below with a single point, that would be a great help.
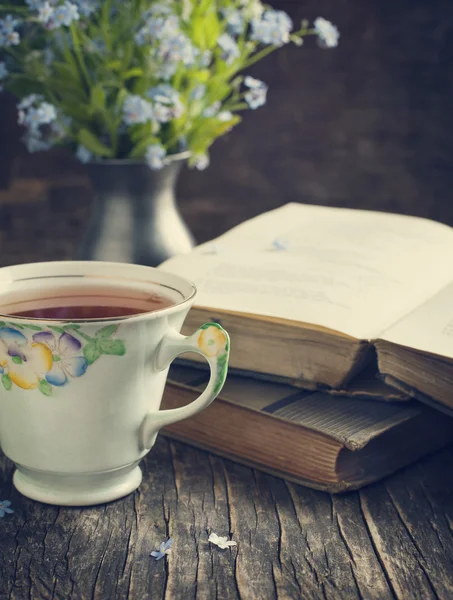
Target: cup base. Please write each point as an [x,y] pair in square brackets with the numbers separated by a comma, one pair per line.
[77,489]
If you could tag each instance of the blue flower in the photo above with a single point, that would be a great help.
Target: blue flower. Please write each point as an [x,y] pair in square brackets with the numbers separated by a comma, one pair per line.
[67,359]
[273,27]
[45,13]
[8,34]
[164,548]
[65,14]
[225,116]
[198,92]
[34,4]
[155,155]
[201,162]
[230,50]
[256,96]
[205,58]
[212,110]
[35,143]
[83,154]
[4,508]
[137,110]
[167,104]
[234,20]
[327,33]
[87,7]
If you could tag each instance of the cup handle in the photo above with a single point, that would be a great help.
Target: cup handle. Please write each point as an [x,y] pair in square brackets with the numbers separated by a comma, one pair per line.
[212,342]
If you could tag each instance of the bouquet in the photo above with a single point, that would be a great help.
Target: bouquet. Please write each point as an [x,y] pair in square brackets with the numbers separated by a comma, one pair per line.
[139,79]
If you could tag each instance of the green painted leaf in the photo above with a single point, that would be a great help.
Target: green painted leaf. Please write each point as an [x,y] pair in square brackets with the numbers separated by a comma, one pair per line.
[56,358]
[17,360]
[34,327]
[57,329]
[92,352]
[2,324]
[106,331]
[72,326]
[45,387]
[93,144]
[115,347]
[7,383]
[14,325]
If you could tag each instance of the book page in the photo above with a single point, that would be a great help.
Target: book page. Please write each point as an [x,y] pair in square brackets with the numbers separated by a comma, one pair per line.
[429,327]
[353,271]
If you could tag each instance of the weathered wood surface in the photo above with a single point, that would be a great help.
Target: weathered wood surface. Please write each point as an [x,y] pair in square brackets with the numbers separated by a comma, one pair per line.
[391,540]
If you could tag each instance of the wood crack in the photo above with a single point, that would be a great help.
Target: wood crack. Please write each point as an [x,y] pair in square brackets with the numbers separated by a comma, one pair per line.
[366,518]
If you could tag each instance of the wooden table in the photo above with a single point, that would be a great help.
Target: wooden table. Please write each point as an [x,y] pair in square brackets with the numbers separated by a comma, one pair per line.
[391,540]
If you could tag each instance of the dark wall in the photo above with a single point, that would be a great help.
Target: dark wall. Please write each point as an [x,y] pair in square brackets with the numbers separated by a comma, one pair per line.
[368,125]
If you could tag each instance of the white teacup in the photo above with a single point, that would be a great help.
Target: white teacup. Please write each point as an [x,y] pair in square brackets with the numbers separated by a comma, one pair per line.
[80,398]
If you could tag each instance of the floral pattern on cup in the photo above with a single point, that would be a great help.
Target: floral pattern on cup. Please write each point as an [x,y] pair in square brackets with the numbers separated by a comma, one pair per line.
[214,343]
[51,356]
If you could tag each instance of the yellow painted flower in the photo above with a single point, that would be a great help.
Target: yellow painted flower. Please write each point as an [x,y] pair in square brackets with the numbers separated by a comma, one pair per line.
[26,363]
[212,341]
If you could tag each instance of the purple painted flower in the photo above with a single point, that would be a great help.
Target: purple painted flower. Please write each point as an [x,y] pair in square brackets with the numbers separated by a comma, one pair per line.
[164,548]
[5,508]
[67,361]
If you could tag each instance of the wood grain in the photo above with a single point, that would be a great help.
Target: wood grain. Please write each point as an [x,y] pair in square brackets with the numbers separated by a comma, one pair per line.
[392,540]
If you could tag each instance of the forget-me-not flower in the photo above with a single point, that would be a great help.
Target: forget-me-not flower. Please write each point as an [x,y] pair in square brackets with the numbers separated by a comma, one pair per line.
[234,20]
[166,103]
[256,96]
[8,34]
[328,33]
[45,13]
[201,162]
[212,110]
[155,155]
[230,50]
[83,154]
[164,548]
[221,541]
[273,27]
[137,110]
[65,14]
[87,7]
[5,508]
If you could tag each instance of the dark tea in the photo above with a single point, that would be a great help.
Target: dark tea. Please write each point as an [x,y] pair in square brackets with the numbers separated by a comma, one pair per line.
[98,304]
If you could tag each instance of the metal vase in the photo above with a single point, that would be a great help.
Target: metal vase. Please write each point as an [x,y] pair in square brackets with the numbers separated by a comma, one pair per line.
[135,218]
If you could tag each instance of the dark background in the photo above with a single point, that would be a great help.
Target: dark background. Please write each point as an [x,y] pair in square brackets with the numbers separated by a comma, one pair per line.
[367,125]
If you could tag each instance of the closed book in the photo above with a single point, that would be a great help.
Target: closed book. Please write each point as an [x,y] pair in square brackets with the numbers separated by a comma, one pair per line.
[314,294]
[309,437]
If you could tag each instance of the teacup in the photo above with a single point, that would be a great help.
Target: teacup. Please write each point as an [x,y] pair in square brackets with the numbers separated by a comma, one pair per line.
[80,397]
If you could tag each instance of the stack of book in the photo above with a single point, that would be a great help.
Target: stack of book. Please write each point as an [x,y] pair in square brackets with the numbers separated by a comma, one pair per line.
[341,326]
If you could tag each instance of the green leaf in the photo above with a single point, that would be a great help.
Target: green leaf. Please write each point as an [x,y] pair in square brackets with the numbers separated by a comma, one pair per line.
[72,326]
[55,358]
[2,324]
[113,65]
[7,383]
[135,72]
[92,351]
[14,325]
[34,327]
[98,98]
[115,347]
[206,30]
[91,143]
[106,331]
[57,329]
[138,151]
[45,387]
[17,360]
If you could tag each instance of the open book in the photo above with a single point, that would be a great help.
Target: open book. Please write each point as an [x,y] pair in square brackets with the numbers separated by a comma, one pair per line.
[310,293]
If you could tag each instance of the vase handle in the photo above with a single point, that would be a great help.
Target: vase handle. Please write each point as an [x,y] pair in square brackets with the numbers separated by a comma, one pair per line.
[212,342]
